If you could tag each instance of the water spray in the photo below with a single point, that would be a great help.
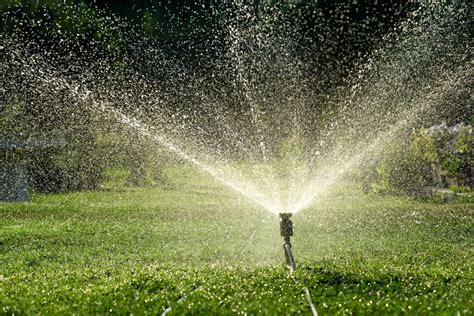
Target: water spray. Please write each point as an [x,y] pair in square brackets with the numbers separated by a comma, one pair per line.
[286,231]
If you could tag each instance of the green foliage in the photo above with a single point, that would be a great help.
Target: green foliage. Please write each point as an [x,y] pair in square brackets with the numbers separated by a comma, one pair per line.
[72,20]
[426,146]
[451,166]
[149,22]
[464,141]
[402,172]
[460,189]
[440,157]
[449,151]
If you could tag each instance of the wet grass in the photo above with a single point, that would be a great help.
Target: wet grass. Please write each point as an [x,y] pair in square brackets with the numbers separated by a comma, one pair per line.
[203,250]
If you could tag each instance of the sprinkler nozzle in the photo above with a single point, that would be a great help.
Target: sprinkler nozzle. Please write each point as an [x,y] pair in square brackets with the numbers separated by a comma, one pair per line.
[286,225]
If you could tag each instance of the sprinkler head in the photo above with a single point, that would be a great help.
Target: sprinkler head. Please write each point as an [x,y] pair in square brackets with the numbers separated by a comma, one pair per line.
[286,225]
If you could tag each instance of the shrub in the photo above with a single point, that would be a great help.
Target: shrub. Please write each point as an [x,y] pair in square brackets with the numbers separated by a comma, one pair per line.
[402,172]
[449,152]
[440,156]
[75,166]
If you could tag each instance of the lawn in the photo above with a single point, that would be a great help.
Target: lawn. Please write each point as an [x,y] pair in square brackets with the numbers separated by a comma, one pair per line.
[202,249]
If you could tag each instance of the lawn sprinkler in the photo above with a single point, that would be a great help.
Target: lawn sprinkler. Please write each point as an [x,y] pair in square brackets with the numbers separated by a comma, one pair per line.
[286,231]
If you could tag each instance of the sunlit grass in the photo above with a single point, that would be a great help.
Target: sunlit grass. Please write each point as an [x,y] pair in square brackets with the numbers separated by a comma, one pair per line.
[137,250]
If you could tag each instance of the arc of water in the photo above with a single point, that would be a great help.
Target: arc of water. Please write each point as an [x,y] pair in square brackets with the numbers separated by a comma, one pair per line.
[247,191]
[407,118]
[46,77]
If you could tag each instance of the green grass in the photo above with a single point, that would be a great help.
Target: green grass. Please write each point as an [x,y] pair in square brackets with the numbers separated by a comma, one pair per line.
[141,250]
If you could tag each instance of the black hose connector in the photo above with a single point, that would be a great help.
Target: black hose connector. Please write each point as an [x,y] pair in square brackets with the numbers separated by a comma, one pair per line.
[286,231]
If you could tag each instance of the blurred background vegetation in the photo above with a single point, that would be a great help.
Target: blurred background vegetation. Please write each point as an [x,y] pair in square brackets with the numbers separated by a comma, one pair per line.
[437,157]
